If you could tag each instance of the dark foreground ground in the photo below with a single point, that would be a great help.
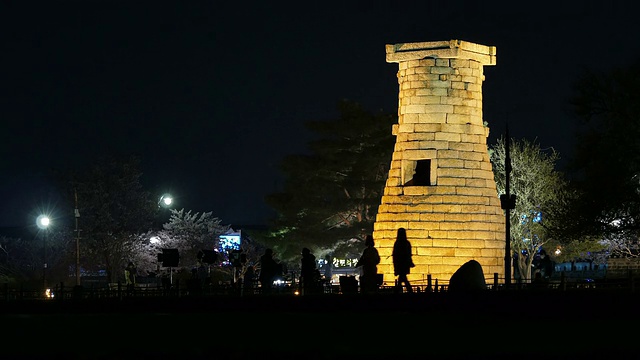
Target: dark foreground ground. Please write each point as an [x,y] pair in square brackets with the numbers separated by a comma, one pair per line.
[489,325]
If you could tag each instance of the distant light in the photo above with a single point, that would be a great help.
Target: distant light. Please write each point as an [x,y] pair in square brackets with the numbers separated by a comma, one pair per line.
[154,240]
[43,221]
[166,200]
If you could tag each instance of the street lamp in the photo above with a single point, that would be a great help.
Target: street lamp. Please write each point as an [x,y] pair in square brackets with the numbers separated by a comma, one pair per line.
[165,200]
[43,223]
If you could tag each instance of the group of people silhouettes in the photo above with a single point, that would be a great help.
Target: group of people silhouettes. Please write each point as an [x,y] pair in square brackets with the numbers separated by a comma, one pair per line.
[370,280]
[402,263]
[270,270]
[310,278]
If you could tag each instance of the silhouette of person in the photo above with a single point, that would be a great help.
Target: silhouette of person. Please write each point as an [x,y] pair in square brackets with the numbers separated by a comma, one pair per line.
[517,274]
[268,271]
[546,265]
[402,259]
[193,283]
[368,262]
[308,272]
[203,276]
[248,279]
[130,273]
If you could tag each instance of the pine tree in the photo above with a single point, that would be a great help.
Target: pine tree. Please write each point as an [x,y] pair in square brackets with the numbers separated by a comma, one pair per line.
[331,195]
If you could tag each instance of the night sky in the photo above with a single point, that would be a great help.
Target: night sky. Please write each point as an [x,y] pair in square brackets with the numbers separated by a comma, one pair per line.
[212,95]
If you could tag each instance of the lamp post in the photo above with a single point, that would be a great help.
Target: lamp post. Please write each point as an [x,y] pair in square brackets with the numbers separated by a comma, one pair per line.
[43,223]
[508,203]
[165,202]
[77,215]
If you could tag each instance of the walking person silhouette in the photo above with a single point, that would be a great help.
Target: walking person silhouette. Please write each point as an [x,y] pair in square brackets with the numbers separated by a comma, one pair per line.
[369,262]
[402,260]
[309,273]
[130,274]
[268,271]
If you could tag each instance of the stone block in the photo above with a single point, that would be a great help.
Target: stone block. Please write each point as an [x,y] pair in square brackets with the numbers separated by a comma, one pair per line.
[454,173]
[413,109]
[472,139]
[405,128]
[468,278]
[470,253]
[420,135]
[440,239]
[447,136]
[425,100]
[447,153]
[464,109]
[459,118]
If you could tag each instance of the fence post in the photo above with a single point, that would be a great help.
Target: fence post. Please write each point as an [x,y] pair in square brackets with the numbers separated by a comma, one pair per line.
[429,288]
[495,281]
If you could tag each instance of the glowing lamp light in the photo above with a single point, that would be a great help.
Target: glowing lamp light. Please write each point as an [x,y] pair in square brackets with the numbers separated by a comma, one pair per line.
[166,200]
[43,221]
[154,240]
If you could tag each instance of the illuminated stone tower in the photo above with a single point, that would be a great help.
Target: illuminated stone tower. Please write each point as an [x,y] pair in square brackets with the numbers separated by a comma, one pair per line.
[441,186]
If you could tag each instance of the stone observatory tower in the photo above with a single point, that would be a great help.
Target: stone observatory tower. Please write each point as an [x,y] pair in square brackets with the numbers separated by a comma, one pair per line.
[440,186]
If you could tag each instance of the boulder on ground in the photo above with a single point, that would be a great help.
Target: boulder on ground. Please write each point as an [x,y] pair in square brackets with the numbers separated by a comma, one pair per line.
[469,277]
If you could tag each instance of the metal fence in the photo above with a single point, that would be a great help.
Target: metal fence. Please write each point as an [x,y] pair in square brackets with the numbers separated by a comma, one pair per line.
[101,290]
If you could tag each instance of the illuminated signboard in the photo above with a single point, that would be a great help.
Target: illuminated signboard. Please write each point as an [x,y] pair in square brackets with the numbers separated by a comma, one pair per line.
[229,242]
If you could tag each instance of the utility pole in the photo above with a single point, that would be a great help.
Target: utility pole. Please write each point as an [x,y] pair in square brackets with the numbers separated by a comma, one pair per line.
[77,215]
[507,202]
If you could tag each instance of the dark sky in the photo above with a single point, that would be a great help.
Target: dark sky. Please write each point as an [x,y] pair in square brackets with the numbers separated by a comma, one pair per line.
[212,96]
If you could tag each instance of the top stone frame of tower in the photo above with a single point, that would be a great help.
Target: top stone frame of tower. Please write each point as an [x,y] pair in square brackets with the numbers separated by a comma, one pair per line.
[452,49]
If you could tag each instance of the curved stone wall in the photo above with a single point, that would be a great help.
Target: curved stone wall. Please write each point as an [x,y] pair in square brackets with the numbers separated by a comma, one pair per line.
[440,185]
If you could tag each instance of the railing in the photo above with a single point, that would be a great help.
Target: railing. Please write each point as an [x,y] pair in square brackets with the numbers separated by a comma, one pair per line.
[120,291]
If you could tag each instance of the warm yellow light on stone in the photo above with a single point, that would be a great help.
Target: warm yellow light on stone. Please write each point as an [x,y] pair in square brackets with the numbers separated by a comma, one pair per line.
[440,185]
